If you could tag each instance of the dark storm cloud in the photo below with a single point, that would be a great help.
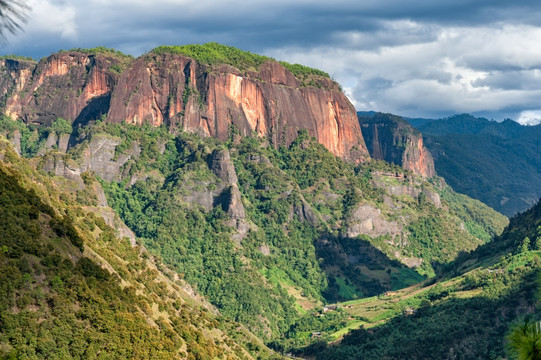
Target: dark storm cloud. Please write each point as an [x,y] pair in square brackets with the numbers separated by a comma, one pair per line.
[257,25]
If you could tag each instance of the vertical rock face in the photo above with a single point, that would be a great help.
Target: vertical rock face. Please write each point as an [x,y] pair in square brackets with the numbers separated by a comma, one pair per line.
[392,139]
[71,85]
[221,165]
[270,102]
[178,91]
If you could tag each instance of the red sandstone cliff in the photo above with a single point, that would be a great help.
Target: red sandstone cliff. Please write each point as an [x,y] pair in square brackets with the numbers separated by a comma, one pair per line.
[392,139]
[180,92]
[71,85]
[270,102]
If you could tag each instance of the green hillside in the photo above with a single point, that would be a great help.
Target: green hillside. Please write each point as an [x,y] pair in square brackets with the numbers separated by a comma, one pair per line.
[497,163]
[149,242]
[288,240]
[71,288]
[466,316]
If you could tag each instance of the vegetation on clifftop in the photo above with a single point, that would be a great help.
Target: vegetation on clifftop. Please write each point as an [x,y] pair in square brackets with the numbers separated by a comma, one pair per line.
[100,50]
[215,54]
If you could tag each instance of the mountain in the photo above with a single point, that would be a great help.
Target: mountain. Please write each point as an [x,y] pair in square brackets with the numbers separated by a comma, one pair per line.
[267,234]
[394,140]
[497,163]
[208,89]
[266,220]
[75,283]
[465,314]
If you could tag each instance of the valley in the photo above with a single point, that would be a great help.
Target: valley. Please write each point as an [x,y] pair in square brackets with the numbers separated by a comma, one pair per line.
[228,205]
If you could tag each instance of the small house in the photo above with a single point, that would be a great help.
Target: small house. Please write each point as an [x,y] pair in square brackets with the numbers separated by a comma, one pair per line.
[328,308]
[409,311]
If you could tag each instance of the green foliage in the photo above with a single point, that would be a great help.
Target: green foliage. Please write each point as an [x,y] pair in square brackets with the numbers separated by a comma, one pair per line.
[56,302]
[433,240]
[474,326]
[198,247]
[277,186]
[299,336]
[495,162]
[100,50]
[217,54]
[471,317]
[214,53]
[294,252]
[301,71]
[480,221]
[61,126]
[17,57]
[525,340]
[32,137]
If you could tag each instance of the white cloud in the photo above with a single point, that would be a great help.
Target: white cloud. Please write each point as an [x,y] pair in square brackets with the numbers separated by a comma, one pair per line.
[54,18]
[530,117]
[460,69]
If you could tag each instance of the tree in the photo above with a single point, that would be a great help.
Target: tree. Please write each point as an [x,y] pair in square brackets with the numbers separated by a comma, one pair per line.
[12,14]
[538,243]
[525,340]
[61,126]
[525,245]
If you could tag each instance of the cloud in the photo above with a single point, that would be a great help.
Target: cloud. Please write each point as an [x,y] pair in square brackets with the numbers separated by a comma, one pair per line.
[454,70]
[52,18]
[530,117]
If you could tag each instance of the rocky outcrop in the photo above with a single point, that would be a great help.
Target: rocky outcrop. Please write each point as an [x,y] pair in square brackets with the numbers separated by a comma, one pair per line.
[72,85]
[305,213]
[271,102]
[233,204]
[56,164]
[99,156]
[60,142]
[221,165]
[15,140]
[229,196]
[398,186]
[392,139]
[368,220]
[180,92]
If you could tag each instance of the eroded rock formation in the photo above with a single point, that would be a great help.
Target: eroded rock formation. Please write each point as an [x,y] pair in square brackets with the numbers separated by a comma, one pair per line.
[392,139]
[69,85]
[180,92]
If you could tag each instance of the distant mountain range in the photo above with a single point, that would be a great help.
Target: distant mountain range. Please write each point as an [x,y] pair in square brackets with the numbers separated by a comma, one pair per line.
[498,163]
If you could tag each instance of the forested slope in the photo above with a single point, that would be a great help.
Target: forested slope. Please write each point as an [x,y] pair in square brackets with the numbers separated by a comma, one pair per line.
[71,288]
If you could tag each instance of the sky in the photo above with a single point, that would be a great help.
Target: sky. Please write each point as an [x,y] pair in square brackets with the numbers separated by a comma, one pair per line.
[418,58]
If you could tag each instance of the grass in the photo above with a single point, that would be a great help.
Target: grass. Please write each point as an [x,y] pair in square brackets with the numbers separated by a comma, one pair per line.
[352,325]
[347,291]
